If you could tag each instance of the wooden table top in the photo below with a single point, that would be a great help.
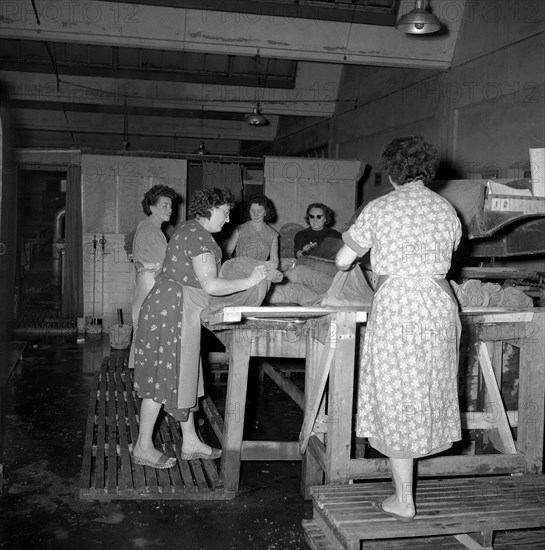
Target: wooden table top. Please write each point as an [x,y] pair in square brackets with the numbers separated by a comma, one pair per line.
[235,314]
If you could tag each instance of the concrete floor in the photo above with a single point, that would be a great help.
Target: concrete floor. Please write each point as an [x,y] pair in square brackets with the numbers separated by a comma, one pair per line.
[46,402]
[45,405]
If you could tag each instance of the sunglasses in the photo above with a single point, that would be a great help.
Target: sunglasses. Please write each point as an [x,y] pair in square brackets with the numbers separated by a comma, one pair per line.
[317,216]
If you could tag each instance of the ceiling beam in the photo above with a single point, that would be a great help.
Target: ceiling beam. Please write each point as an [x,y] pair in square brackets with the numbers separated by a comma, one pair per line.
[120,109]
[324,11]
[113,142]
[198,30]
[142,64]
[147,126]
[315,93]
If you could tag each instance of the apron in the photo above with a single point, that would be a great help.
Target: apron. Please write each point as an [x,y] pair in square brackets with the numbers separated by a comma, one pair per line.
[190,375]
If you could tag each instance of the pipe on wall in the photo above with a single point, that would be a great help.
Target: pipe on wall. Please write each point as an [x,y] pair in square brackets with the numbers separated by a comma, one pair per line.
[58,245]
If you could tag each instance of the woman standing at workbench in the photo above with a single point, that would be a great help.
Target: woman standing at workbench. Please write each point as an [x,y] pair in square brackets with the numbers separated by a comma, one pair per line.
[168,369]
[408,391]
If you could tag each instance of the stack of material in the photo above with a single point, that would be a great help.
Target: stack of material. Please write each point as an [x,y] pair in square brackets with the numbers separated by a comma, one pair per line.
[474,293]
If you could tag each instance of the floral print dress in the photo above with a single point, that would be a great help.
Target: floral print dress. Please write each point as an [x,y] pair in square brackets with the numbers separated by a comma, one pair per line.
[408,391]
[160,366]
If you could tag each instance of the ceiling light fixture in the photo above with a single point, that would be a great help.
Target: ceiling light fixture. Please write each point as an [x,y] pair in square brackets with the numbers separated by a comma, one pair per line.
[256,118]
[201,149]
[418,21]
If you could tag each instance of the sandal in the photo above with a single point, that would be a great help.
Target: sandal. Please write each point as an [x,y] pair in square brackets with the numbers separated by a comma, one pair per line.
[163,463]
[214,453]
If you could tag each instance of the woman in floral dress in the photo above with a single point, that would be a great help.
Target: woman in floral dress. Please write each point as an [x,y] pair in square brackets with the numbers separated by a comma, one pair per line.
[167,360]
[408,392]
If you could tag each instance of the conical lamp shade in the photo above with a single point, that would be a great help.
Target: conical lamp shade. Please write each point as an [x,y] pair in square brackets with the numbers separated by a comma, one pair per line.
[201,149]
[418,21]
[256,118]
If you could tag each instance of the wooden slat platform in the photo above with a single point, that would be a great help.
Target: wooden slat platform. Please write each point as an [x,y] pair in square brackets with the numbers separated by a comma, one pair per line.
[344,515]
[32,322]
[112,427]
[317,540]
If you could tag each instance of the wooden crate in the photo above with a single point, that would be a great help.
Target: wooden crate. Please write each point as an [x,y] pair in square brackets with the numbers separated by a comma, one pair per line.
[112,428]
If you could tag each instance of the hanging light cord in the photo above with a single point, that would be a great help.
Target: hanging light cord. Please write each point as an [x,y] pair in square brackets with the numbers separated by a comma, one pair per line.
[56,71]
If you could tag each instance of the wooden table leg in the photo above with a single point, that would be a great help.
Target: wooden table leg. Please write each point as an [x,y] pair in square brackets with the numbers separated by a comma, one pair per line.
[235,405]
[531,416]
[340,405]
[311,471]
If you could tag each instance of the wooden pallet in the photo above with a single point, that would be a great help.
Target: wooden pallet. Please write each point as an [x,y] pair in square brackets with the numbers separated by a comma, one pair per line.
[48,321]
[345,516]
[317,540]
[112,428]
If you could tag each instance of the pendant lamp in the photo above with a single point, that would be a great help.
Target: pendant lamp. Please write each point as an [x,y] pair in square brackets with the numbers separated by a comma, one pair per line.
[418,21]
[255,118]
[201,149]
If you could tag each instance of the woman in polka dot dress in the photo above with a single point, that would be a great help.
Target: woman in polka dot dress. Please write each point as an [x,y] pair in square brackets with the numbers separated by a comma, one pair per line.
[168,370]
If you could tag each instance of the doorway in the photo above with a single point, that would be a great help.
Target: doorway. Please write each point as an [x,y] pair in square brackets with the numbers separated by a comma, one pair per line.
[40,212]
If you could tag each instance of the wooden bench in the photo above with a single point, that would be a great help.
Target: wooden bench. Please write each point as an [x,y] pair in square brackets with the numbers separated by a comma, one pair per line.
[467,509]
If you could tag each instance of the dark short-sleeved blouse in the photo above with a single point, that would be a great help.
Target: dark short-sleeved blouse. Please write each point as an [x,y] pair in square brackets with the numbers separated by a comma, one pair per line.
[190,240]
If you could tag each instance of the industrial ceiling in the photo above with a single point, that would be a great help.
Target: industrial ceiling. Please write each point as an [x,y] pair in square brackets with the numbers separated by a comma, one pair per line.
[164,75]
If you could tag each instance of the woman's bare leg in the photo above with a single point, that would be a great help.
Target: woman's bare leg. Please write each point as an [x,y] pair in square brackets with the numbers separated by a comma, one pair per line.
[190,440]
[402,503]
[144,447]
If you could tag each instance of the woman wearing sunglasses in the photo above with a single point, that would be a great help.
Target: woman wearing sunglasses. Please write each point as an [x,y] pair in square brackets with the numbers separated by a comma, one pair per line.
[319,217]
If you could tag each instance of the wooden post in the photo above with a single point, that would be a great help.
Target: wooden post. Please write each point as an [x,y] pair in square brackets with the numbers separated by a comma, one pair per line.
[311,471]
[531,392]
[341,390]
[235,403]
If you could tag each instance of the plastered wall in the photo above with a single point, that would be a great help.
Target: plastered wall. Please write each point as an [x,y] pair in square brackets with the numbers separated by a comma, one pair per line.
[483,114]
[113,188]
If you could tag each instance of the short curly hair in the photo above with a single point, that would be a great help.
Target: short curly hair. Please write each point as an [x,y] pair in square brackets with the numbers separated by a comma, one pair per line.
[205,199]
[406,159]
[329,214]
[152,196]
[266,203]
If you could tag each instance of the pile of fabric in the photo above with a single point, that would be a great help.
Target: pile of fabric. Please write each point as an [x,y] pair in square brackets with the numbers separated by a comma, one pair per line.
[237,268]
[313,279]
[475,293]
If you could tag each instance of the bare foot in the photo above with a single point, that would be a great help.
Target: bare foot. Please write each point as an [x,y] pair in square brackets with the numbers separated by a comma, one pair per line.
[196,447]
[152,455]
[405,510]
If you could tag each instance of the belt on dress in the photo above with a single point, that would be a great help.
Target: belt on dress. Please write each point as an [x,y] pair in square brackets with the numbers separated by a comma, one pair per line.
[443,283]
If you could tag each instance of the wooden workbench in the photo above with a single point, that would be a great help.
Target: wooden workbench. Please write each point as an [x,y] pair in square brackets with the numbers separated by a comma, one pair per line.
[326,338]
[490,327]
[485,496]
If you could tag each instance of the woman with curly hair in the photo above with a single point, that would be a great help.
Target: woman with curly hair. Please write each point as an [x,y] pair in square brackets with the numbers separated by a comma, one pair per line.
[255,238]
[408,391]
[167,362]
[149,245]
[319,217]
